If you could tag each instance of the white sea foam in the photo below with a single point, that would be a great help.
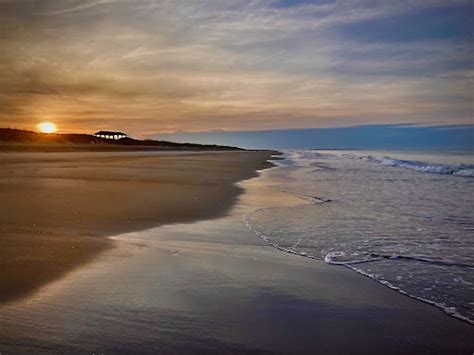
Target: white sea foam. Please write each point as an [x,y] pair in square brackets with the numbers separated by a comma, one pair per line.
[331,258]
[452,311]
[466,170]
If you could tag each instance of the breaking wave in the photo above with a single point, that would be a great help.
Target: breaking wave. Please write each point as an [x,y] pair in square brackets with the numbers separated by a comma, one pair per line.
[466,170]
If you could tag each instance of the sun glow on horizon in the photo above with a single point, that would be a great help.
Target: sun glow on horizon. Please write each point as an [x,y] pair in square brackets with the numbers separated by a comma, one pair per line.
[47,127]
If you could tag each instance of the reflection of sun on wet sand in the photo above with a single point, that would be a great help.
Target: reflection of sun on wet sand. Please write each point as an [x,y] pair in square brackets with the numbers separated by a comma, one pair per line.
[57,207]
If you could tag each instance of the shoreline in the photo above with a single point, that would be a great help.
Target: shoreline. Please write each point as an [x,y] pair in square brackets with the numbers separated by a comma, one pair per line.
[213,286]
[58,210]
[307,200]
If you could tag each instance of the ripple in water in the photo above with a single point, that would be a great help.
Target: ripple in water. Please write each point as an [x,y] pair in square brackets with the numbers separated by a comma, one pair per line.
[407,228]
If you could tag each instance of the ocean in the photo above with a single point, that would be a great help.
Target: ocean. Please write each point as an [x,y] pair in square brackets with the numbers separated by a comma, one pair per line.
[213,286]
[404,219]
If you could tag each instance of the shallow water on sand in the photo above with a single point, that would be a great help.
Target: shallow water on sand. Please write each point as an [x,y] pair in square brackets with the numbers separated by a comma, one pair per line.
[404,219]
[214,286]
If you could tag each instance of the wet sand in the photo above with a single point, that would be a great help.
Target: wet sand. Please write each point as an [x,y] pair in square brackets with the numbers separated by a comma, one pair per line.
[212,286]
[57,208]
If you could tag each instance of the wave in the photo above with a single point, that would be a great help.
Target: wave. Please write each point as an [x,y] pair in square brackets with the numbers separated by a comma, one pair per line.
[371,262]
[336,258]
[331,257]
[466,170]
[452,311]
[305,197]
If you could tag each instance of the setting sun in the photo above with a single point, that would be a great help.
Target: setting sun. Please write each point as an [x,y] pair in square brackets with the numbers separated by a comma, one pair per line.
[47,127]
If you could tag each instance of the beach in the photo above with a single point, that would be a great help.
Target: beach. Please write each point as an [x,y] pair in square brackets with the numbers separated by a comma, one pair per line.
[58,208]
[147,252]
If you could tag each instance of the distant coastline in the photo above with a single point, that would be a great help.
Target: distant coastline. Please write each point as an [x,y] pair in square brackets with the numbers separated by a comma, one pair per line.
[28,141]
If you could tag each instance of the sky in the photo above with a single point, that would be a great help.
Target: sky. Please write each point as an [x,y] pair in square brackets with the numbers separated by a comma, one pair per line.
[150,67]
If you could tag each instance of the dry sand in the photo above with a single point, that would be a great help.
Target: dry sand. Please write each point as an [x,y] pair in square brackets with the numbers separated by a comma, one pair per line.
[56,208]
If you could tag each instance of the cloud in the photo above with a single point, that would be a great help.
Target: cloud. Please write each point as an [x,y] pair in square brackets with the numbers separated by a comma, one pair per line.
[76,6]
[197,65]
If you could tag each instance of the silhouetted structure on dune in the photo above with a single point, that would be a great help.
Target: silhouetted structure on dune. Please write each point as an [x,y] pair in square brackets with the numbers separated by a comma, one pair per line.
[110,135]
[15,138]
